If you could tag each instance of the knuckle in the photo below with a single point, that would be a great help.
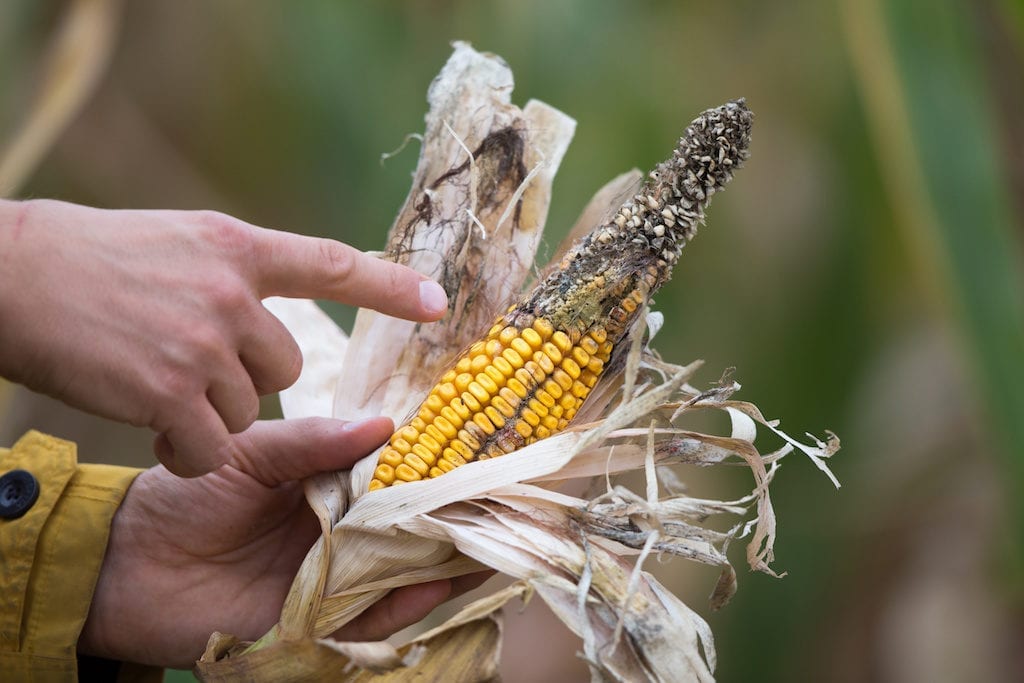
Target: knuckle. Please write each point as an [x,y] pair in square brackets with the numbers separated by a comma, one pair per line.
[227,294]
[339,260]
[226,232]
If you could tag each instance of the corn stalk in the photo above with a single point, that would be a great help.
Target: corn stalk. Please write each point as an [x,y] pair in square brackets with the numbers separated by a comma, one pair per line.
[473,220]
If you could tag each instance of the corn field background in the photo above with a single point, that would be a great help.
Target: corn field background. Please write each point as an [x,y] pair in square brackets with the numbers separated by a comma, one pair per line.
[865,275]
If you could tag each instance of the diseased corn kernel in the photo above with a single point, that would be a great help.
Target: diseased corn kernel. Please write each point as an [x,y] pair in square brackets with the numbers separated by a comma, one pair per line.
[542,432]
[589,345]
[468,439]
[596,365]
[579,390]
[492,348]
[421,452]
[509,397]
[598,334]
[405,472]
[495,329]
[536,371]
[542,359]
[588,378]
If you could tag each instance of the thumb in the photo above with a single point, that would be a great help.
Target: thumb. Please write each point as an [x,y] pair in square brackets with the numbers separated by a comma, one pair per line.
[276,451]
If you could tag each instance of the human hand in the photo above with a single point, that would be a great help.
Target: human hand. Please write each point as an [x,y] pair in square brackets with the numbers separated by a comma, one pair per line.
[155,317]
[187,557]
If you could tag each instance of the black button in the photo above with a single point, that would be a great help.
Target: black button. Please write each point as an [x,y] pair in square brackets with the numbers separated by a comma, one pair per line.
[19,491]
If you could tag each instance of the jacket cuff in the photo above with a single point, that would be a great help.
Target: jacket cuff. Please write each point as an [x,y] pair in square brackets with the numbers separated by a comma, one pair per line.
[52,554]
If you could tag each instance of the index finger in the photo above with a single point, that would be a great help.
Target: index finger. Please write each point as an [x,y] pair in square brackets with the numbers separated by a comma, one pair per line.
[317,268]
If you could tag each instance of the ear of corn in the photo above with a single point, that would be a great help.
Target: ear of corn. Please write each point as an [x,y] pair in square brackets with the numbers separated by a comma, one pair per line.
[528,376]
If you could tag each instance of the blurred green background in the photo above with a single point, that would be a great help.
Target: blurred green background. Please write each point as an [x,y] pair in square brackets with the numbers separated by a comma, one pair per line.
[863,274]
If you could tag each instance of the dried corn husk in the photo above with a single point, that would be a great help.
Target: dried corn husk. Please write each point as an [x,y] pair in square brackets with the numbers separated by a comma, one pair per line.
[473,220]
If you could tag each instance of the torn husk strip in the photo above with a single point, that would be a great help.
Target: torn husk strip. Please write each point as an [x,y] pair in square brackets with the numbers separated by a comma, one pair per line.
[584,557]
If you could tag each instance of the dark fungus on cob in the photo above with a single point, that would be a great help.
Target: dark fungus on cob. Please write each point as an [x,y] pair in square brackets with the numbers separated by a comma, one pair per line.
[528,376]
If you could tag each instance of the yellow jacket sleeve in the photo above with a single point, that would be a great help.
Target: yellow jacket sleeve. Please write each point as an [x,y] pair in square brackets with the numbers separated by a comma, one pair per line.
[50,558]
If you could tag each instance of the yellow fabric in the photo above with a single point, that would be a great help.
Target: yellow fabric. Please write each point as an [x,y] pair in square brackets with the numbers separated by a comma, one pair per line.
[50,558]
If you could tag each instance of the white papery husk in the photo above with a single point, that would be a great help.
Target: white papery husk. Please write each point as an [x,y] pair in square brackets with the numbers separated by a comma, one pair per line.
[583,556]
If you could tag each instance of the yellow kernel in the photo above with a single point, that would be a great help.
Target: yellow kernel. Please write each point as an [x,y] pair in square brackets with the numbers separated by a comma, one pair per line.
[462,381]
[498,327]
[434,403]
[479,393]
[605,352]
[481,421]
[531,417]
[561,376]
[552,352]
[570,414]
[487,383]
[513,358]
[479,363]
[535,371]
[445,427]
[596,365]
[436,471]
[562,341]
[562,424]
[580,356]
[448,413]
[391,457]
[502,406]
[508,396]
[421,454]
[523,429]
[542,432]
[542,359]
[580,390]
[471,403]
[406,473]
[461,410]
[556,411]
[545,398]
[461,450]
[532,337]
[598,334]
[570,367]
[377,484]
[629,304]
[401,445]
[445,465]
[507,335]
[544,328]
[447,391]
[549,421]
[418,424]
[492,348]
[386,473]
[589,345]
[426,414]
[463,365]
[503,366]
[430,443]
[494,416]
[409,433]
[516,386]
[447,377]
[495,376]
[568,401]
[520,346]
[475,349]
[537,407]
[588,378]
[554,388]
[434,432]
[469,440]
[451,456]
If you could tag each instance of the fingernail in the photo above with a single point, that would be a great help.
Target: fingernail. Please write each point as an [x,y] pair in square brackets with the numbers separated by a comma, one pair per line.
[433,298]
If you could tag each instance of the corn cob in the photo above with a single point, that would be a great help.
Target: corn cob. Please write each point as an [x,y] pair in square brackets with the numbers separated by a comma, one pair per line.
[527,378]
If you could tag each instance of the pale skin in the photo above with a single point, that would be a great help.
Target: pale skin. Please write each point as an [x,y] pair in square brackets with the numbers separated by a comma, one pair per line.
[154,318]
[219,552]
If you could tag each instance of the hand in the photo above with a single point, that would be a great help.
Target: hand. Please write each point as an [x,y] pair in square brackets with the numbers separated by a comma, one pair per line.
[155,318]
[187,557]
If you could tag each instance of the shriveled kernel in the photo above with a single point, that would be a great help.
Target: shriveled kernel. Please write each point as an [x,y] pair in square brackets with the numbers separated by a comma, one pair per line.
[503,366]
[544,328]
[629,305]
[533,338]
[423,453]
[513,358]
[595,365]
[531,417]
[521,347]
[481,420]
[400,444]
[479,393]
[462,381]
[386,473]
[605,351]
[430,443]
[503,407]
[544,397]
[391,457]
[487,383]
[471,402]
[524,429]
[494,416]
[570,414]
[507,335]
[510,443]
[562,341]
[557,410]
[406,473]
[580,356]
